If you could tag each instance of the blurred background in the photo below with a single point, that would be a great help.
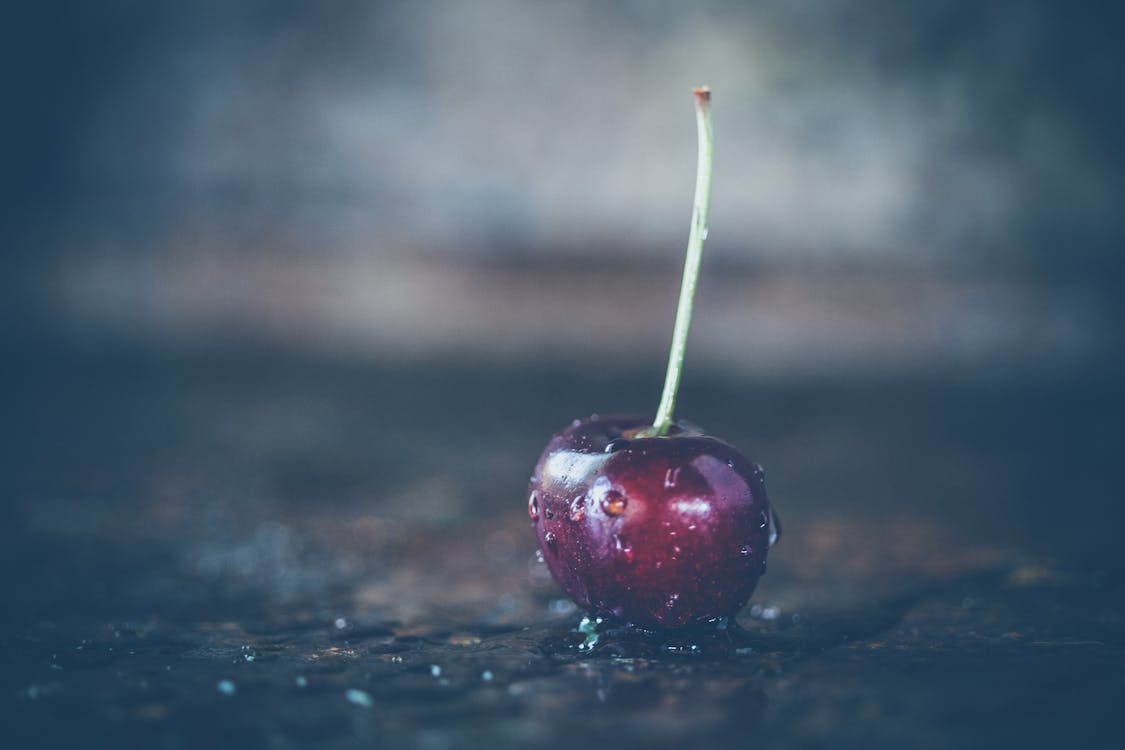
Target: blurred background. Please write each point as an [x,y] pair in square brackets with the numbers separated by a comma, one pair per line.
[932,187]
[294,293]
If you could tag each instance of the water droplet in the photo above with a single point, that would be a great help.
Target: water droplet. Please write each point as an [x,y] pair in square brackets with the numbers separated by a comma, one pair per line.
[550,540]
[676,552]
[539,555]
[775,528]
[613,503]
[533,505]
[670,477]
[670,602]
[359,698]
[578,509]
[623,547]
[759,472]
[548,513]
[763,520]
[576,423]
[589,628]
[730,463]
[703,233]
[746,550]
[615,445]
[659,564]
[561,606]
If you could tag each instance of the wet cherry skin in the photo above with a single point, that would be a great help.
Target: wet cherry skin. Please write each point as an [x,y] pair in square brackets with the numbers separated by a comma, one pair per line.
[657,531]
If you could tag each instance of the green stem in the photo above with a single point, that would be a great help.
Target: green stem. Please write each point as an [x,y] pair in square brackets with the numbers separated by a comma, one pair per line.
[696,236]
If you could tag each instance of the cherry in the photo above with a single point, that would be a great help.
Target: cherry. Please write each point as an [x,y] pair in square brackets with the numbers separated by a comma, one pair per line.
[655,523]
[657,531]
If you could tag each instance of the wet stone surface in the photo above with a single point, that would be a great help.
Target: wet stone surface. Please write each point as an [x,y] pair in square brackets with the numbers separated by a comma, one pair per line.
[258,551]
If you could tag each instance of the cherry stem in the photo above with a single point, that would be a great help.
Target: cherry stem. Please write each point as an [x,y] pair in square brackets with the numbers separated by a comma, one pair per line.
[696,236]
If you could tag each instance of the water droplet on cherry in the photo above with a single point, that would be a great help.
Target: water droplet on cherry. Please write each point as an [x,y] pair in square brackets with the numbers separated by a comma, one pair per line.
[615,445]
[533,505]
[550,540]
[746,550]
[671,477]
[775,528]
[578,508]
[623,547]
[613,503]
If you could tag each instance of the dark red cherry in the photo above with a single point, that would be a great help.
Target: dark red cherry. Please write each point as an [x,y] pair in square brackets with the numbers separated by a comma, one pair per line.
[657,531]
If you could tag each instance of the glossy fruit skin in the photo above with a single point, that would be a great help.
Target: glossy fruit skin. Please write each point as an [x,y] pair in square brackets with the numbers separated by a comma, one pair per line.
[659,531]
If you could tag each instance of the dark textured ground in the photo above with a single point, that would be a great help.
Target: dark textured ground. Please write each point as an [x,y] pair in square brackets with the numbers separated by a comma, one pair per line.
[219,549]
